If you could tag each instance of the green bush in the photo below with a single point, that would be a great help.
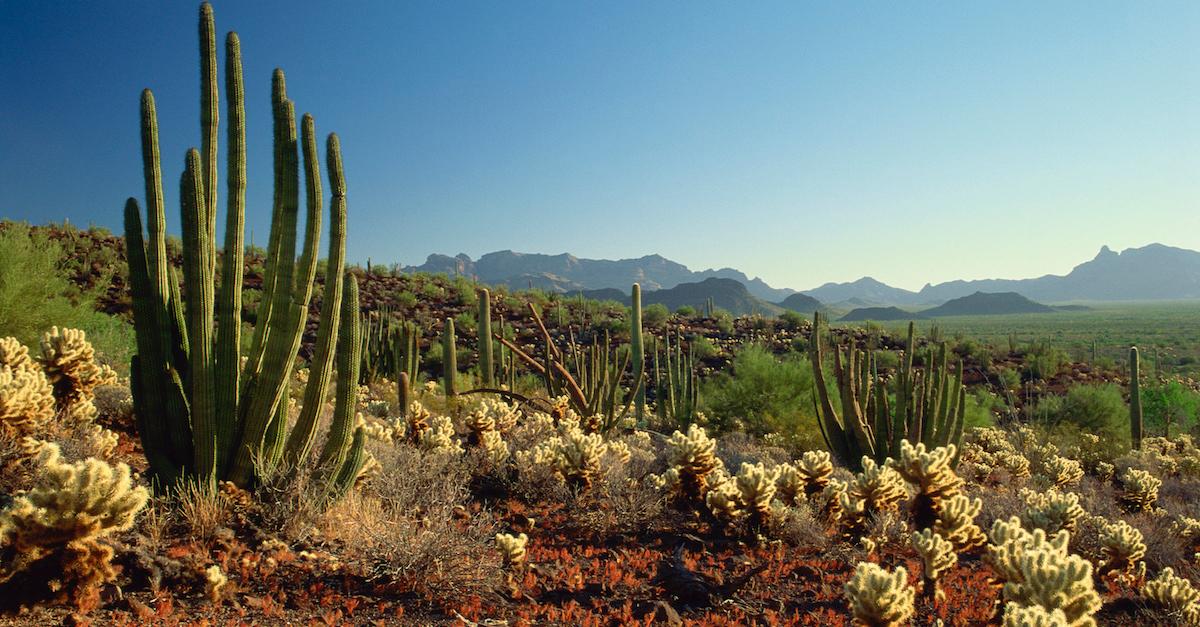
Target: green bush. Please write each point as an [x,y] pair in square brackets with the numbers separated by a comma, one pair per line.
[686,311]
[34,296]
[765,395]
[1097,408]
[1170,403]
[792,321]
[702,347]
[655,315]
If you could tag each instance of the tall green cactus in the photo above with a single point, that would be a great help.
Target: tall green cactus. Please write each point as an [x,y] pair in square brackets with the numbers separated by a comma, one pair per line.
[929,405]
[676,385]
[1135,399]
[449,359]
[200,413]
[487,369]
[638,348]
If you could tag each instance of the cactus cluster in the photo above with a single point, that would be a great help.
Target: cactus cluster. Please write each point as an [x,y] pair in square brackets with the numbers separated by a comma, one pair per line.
[1051,510]
[674,381]
[929,404]
[70,511]
[937,555]
[201,413]
[1139,490]
[512,548]
[1174,594]
[69,362]
[1038,570]
[879,598]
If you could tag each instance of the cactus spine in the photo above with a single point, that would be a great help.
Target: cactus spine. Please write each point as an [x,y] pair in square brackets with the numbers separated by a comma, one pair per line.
[200,413]
[638,349]
[486,367]
[449,358]
[1135,399]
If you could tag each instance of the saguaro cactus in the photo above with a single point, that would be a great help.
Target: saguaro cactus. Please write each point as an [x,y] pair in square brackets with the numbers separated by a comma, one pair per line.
[200,413]
[486,368]
[1135,399]
[449,358]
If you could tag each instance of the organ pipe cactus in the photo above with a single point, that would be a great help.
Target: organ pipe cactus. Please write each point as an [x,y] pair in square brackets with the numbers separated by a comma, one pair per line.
[201,413]
[1135,399]
[929,406]
[638,348]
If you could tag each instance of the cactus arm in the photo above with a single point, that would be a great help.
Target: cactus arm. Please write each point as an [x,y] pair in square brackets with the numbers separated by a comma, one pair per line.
[300,440]
[147,369]
[209,120]
[347,473]
[1135,399]
[637,348]
[306,272]
[198,275]
[229,302]
[346,395]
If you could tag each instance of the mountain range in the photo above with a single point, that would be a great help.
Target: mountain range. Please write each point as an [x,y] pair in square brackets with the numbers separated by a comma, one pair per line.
[1152,272]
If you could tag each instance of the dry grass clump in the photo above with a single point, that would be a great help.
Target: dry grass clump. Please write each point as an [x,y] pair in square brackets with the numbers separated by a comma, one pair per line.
[411,526]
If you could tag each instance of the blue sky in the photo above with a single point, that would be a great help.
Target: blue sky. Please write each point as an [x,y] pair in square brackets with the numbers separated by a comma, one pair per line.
[801,142]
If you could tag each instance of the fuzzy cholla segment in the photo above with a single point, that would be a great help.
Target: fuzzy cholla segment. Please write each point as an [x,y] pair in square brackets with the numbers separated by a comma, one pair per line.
[1175,595]
[512,548]
[879,488]
[26,399]
[1051,510]
[879,598]
[1032,616]
[956,522]
[69,362]
[937,554]
[1039,571]
[692,457]
[1123,547]
[931,471]
[1140,490]
[74,501]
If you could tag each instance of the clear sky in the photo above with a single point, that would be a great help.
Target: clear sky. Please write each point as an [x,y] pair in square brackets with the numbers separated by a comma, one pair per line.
[802,142]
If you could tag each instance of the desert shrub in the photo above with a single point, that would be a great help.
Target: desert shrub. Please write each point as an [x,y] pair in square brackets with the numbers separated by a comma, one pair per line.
[702,347]
[1043,361]
[34,294]
[686,311]
[792,320]
[655,315]
[981,408]
[1096,408]
[1170,403]
[764,395]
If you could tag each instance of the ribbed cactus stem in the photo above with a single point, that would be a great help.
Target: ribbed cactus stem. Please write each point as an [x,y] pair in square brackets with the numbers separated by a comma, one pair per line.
[449,358]
[486,367]
[210,116]
[637,348]
[341,429]
[1135,399]
[198,275]
[229,302]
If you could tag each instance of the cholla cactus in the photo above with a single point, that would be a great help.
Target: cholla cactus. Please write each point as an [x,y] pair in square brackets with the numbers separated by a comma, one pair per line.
[215,583]
[1123,548]
[694,457]
[26,399]
[490,415]
[788,484]
[1010,542]
[1032,616]
[931,471]
[1061,471]
[1056,582]
[1139,490]
[1188,529]
[512,548]
[1175,595]
[495,448]
[756,488]
[1051,510]
[1016,464]
[956,523]
[815,468]
[879,598]
[69,362]
[439,436]
[937,555]
[417,418]
[74,506]
[578,456]
[723,499]
[879,487]
[1104,470]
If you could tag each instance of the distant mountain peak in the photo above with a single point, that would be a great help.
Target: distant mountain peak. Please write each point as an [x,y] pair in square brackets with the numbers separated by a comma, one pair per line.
[1105,252]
